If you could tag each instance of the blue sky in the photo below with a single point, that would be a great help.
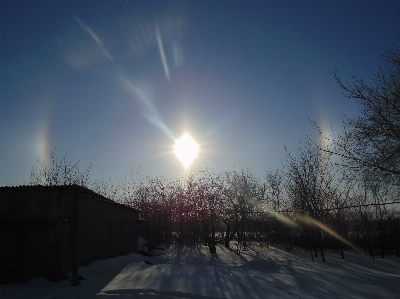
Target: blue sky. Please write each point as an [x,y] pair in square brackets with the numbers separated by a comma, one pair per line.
[113,83]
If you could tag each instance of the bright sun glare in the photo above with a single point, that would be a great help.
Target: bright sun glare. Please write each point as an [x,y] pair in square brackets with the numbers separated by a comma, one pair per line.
[186,149]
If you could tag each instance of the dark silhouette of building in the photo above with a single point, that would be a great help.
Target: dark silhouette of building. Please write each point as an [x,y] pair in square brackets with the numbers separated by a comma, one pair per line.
[46,231]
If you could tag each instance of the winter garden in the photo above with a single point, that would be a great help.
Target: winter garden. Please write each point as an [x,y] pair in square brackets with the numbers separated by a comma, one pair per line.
[326,224]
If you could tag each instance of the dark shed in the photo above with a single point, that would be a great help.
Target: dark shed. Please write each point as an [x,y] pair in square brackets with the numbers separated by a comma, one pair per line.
[46,231]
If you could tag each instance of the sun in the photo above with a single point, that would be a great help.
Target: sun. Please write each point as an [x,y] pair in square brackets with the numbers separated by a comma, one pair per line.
[186,149]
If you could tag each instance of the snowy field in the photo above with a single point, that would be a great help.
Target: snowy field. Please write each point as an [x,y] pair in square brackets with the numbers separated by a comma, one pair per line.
[256,273]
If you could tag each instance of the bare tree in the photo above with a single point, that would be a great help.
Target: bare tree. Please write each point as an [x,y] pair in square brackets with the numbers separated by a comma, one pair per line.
[275,200]
[340,191]
[372,139]
[209,197]
[308,178]
[242,195]
[58,172]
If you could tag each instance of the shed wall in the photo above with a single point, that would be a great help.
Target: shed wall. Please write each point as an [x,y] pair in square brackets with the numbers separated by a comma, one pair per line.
[35,231]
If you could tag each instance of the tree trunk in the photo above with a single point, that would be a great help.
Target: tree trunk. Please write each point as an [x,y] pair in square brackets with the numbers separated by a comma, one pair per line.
[212,247]
[322,254]
[315,241]
[378,214]
[340,233]
[321,234]
[227,234]
[244,234]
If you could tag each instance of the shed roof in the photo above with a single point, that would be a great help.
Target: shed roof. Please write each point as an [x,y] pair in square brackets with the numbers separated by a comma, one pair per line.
[82,190]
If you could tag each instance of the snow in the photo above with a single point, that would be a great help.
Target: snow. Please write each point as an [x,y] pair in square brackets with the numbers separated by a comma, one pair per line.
[255,273]
[142,245]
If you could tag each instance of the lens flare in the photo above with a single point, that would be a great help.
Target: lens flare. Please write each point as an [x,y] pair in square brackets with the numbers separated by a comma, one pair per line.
[162,54]
[95,37]
[144,96]
[186,150]
[284,219]
[44,144]
[310,221]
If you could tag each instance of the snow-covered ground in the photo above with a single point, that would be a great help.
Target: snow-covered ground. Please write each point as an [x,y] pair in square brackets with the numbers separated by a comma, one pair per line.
[256,273]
